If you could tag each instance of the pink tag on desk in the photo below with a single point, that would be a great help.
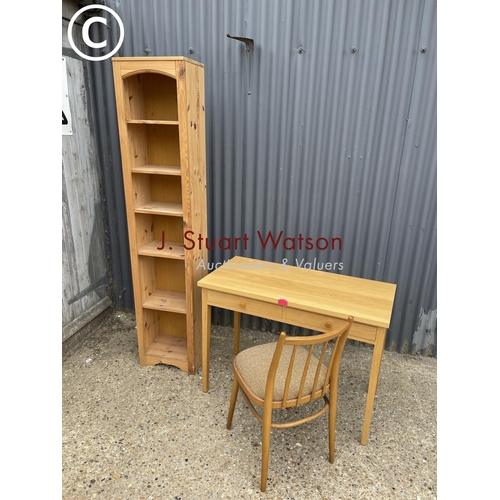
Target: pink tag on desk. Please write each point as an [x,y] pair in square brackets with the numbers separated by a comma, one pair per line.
[282,302]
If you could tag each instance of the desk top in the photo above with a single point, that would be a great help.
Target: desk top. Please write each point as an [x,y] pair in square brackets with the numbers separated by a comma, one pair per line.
[369,302]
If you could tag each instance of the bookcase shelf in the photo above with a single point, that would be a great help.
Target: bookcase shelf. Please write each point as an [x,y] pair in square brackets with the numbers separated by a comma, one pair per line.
[157,169]
[154,122]
[161,208]
[165,300]
[163,249]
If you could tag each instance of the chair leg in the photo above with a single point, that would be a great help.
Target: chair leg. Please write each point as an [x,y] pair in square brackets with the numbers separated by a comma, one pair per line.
[332,414]
[232,405]
[266,443]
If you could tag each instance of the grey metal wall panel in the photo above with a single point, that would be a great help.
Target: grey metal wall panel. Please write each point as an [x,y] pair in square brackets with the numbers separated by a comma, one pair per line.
[411,255]
[308,133]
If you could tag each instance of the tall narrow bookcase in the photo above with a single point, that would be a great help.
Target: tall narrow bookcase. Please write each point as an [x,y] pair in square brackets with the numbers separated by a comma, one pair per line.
[160,105]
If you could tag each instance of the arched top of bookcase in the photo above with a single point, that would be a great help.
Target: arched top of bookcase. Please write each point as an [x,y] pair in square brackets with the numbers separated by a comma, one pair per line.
[168,74]
[167,65]
[151,95]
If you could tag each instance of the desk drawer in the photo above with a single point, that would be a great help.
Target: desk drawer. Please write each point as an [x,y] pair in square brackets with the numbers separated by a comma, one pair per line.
[312,321]
[321,323]
[246,306]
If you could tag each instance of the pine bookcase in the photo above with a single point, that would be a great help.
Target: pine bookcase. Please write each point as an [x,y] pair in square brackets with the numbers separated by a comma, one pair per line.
[160,105]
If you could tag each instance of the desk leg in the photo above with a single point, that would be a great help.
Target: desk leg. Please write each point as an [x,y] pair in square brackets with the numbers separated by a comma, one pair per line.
[378,350]
[237,323]
[206,313]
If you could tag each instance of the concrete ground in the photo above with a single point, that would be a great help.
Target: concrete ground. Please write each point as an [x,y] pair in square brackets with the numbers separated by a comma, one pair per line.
[134,432]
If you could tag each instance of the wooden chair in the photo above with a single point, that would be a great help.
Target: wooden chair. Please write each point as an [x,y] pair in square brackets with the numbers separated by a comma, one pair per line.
[285,374]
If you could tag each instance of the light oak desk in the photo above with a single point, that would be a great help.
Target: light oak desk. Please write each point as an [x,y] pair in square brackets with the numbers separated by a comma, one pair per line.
[315,300]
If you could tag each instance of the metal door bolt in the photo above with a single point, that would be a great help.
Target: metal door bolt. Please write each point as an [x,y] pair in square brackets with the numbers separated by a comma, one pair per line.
[353,49]
[423,49]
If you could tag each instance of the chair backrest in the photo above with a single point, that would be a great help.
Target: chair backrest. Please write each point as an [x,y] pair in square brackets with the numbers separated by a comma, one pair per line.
[307,376]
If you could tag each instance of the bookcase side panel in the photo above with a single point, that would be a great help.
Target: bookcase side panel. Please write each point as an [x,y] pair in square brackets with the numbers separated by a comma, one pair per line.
[195,119]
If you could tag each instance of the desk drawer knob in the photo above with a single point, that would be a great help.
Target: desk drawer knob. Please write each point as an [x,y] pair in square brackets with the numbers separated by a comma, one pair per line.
[328,324]
[242,303]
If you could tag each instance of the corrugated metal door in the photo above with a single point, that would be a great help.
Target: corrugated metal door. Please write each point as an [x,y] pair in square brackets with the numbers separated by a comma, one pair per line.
[309,132]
